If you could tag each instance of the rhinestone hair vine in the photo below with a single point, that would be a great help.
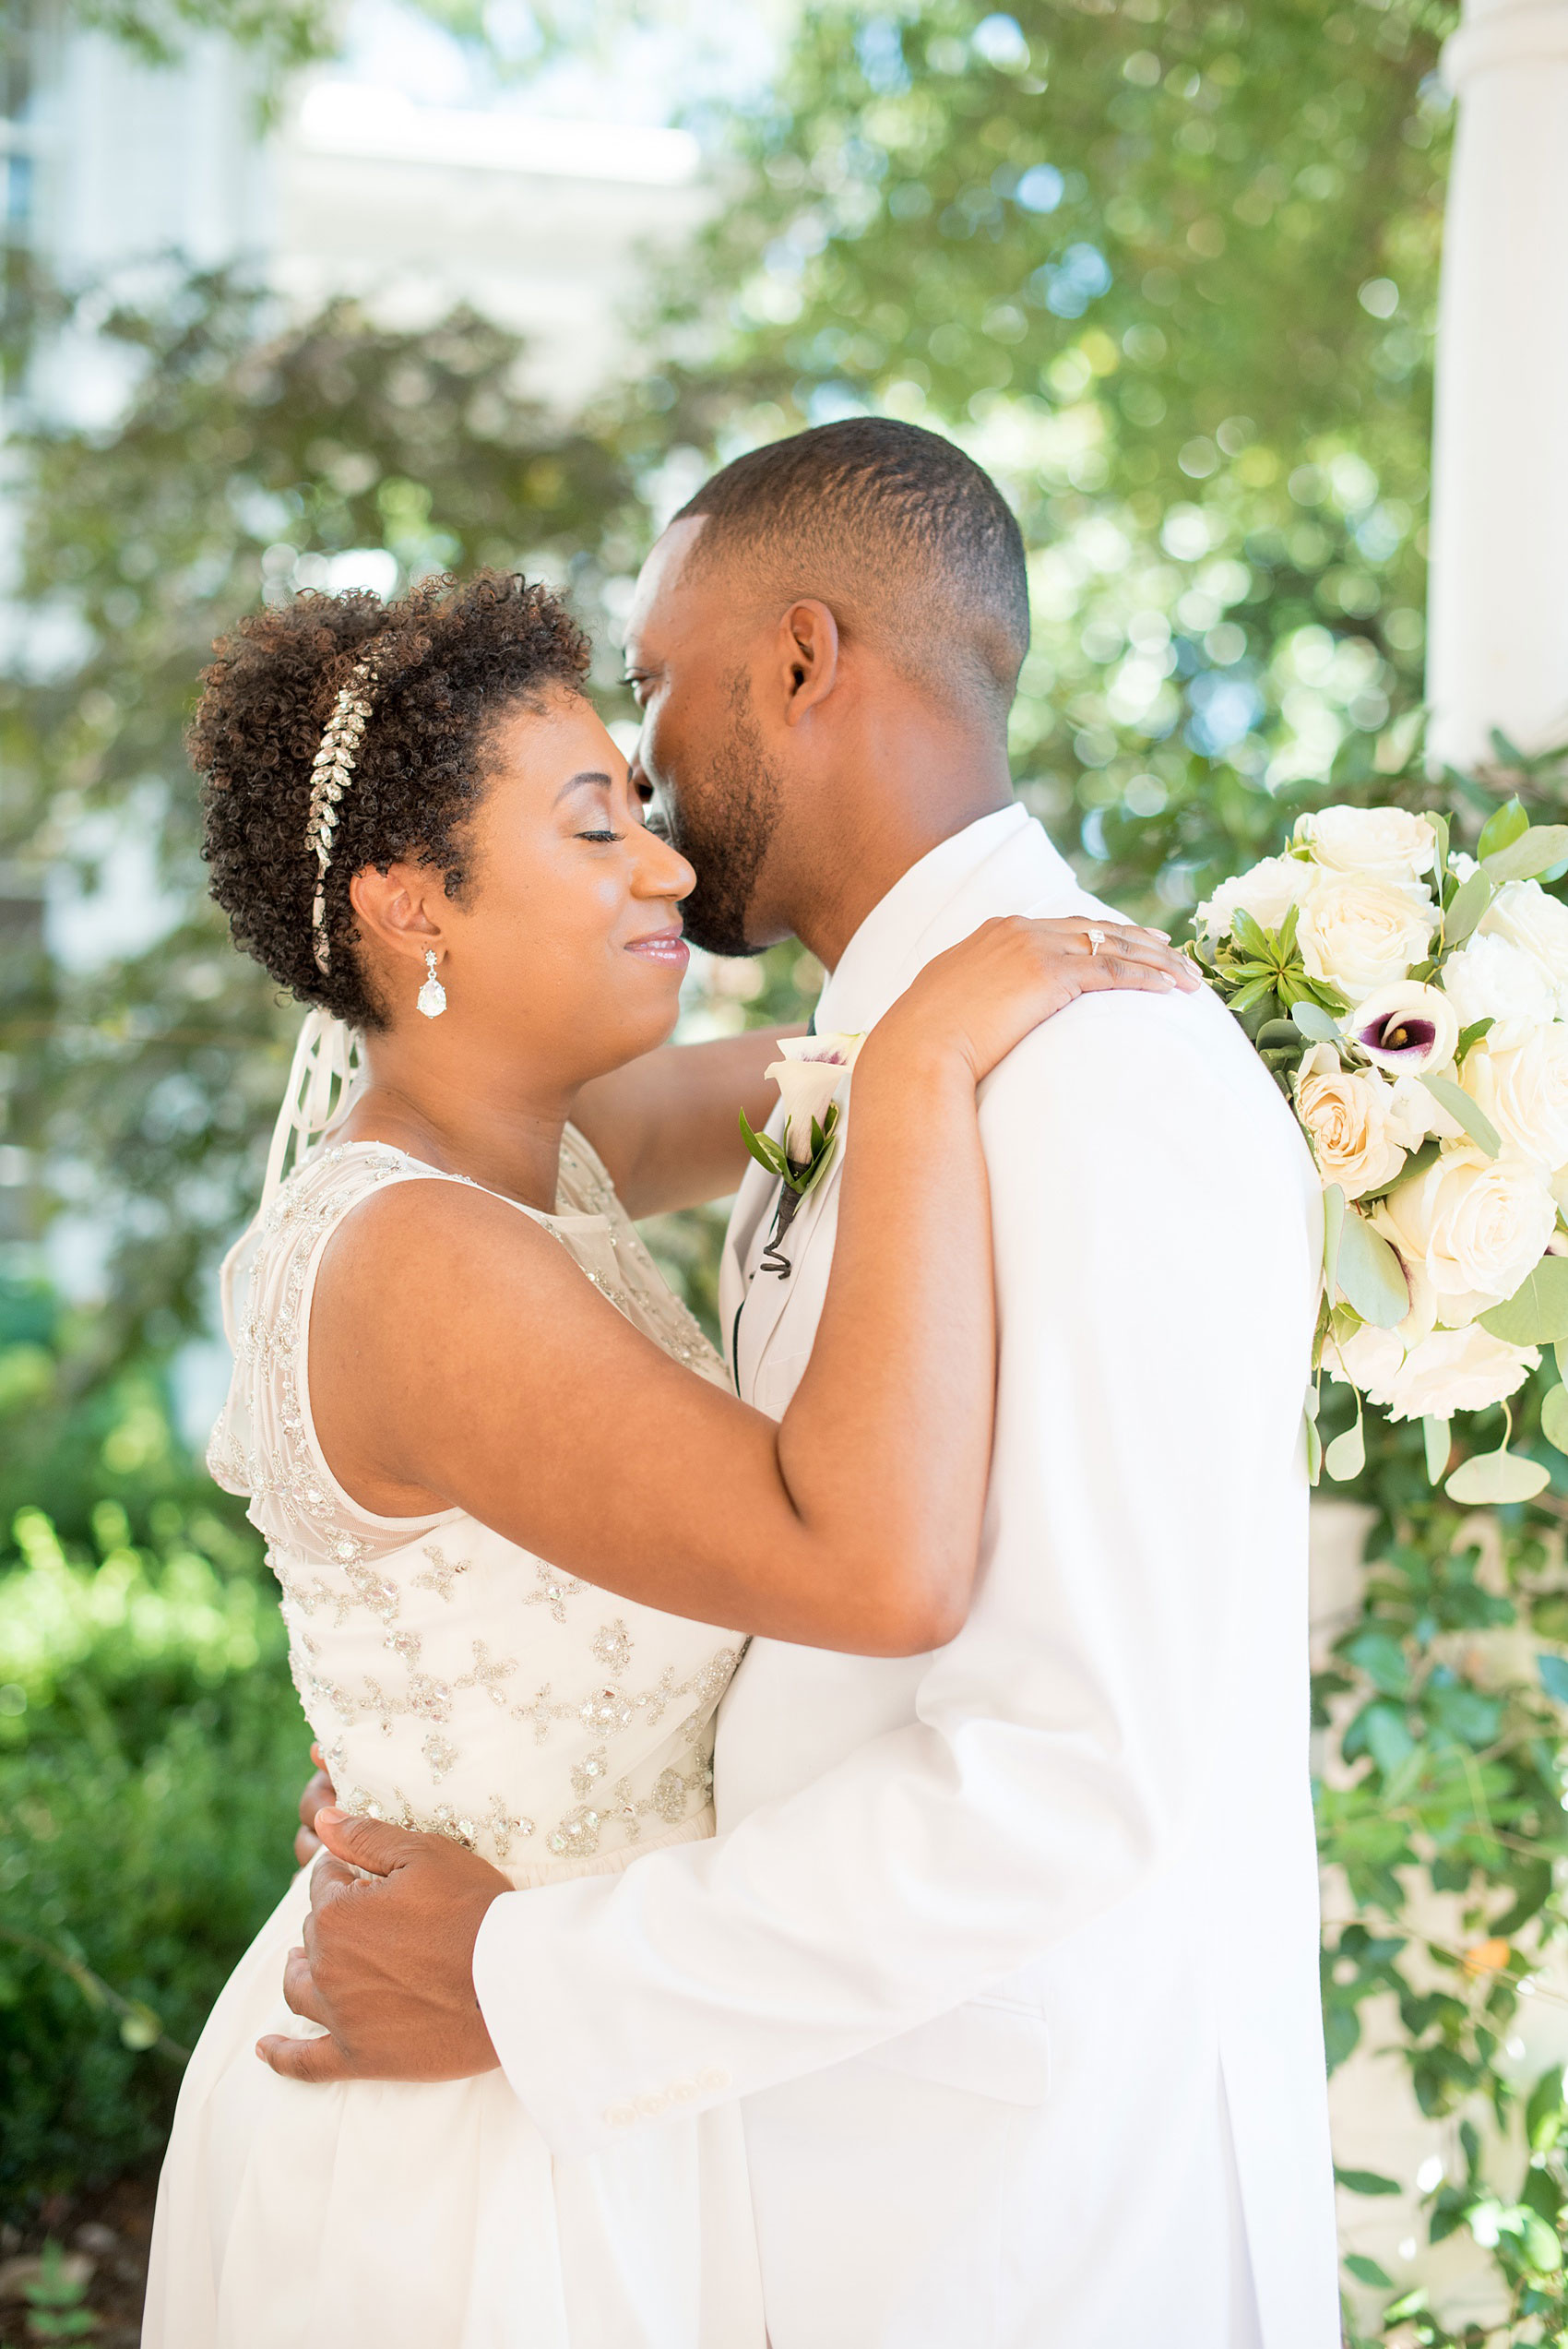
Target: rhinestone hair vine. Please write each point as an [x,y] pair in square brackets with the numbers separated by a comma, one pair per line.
[331,770]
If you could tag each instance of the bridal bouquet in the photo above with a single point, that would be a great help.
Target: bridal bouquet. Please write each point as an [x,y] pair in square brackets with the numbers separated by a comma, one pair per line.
[1413,1002]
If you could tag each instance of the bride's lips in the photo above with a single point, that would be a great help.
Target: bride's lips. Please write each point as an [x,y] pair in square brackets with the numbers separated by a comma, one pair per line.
[667,947]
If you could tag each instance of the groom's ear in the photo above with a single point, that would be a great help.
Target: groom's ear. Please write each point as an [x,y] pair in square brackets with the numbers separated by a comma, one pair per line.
[808,653]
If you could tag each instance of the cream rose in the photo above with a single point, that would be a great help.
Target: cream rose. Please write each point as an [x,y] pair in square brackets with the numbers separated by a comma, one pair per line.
[1350,1117]
[1474,1225]
[1267,893]
[1447,1371]
[808,1077]
[1375,843]
[1537,922]
[1493,979]
[1523,1090]
[1360,935]
[1408,1029]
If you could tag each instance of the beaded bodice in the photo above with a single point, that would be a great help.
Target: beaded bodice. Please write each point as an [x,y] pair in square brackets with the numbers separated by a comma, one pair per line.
[454,1681]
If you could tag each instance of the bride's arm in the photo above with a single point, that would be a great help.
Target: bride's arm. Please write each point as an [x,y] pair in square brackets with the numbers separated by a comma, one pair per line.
[668,1126]
[458,1358]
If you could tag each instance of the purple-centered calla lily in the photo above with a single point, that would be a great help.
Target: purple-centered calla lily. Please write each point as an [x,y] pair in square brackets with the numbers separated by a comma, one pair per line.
[1408,1029]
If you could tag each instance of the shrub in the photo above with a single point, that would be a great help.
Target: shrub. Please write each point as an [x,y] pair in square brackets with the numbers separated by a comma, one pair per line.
[150,1751]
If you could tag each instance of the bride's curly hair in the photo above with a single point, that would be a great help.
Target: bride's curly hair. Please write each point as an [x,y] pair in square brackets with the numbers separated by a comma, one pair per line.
[449,656]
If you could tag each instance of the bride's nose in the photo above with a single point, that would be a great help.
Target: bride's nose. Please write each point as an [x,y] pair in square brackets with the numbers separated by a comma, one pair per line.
[662,871]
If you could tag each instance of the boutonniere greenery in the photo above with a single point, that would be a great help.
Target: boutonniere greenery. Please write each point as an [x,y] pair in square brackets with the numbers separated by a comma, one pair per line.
[809,1078]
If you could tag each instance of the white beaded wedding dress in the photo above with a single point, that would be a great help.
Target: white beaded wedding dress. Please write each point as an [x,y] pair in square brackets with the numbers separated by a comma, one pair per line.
[454,1683]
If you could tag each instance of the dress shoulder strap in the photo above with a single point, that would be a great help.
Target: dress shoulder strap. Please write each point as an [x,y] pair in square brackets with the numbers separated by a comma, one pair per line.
[264,1444]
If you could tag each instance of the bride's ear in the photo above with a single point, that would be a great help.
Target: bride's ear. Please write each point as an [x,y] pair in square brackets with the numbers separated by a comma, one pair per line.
[400,909]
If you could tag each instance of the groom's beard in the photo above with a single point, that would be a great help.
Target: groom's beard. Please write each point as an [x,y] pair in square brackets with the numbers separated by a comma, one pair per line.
[723,829]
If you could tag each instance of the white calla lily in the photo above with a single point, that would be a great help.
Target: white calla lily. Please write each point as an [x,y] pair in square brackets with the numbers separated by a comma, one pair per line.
[808,1077]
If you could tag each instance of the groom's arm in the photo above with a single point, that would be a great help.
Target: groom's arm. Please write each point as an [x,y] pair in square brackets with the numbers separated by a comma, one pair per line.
[1154,1279]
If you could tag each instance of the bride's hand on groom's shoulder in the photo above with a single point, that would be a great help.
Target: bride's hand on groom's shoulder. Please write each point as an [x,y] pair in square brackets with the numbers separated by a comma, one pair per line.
[983,996]
[386,1968]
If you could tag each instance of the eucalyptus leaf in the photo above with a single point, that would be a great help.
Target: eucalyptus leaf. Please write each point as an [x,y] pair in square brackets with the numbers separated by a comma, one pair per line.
[1554,1417]
[1440,838]
[1371,1276]
[1494,1477]
[1464,1112]
[1537,1313]
[1533,852]
[1438,1437]
[1471,1036]
[1559,1352]
[1316,1023]
[1346,1455]
[1470,902]
[1503,826]
[1333,1230]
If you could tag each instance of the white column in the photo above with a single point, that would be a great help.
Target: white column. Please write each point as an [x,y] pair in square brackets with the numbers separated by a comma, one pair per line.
[1498,643]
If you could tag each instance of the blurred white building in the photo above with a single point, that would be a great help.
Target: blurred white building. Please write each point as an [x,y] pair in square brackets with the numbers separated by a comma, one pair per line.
[407,200]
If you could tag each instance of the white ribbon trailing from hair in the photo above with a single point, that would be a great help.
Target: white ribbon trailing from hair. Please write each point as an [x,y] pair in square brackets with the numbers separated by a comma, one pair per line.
[328,1063]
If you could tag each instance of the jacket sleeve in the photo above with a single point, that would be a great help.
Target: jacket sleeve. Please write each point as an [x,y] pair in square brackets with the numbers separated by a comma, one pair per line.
[1157,1279]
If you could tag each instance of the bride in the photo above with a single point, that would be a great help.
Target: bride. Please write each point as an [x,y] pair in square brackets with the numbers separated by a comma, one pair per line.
[521,1525]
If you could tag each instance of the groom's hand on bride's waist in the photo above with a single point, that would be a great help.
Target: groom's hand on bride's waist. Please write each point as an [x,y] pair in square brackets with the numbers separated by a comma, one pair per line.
[386,1968]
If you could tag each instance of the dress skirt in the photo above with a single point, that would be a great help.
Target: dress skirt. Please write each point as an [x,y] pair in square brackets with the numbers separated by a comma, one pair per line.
[430,2215]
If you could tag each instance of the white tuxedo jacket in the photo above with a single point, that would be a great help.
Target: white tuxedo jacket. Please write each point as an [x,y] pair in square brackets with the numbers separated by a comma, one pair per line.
[1012,1950]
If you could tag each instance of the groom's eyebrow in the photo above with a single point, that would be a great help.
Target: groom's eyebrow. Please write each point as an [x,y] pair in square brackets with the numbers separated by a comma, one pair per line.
[590,779]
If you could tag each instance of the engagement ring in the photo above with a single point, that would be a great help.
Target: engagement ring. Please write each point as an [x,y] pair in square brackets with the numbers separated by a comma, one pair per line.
[1097,940]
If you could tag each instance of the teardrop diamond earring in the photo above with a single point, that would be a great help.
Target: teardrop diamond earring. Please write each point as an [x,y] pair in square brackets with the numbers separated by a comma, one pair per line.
[433,994]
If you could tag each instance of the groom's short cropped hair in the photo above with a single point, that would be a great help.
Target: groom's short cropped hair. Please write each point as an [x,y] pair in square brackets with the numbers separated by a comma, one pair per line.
[904,539]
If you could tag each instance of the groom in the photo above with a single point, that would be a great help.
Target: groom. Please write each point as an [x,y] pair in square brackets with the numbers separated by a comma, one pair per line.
[1010,1951]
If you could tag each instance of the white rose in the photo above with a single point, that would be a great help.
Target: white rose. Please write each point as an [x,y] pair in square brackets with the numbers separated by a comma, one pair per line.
[1448,1371]
[1474,1225]
[1523,1090]
[1360,935]
[1493,979]
[1348,1117]
[808,1077]
[1407,1029]
[1375,843]
[1267,893]
[1537,922]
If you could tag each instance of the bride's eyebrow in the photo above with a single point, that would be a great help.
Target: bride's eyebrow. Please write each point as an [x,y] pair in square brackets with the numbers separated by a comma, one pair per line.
[590,779]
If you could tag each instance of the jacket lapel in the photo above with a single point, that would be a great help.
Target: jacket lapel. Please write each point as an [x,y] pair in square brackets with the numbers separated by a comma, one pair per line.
[753,1202]
[756,1322]
[1023,873]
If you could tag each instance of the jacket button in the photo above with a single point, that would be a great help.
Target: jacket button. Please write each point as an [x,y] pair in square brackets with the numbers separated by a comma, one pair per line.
[651,2105]
[712,2079]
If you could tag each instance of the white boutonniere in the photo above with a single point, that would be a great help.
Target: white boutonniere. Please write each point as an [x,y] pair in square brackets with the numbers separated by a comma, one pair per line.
[809,1078]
